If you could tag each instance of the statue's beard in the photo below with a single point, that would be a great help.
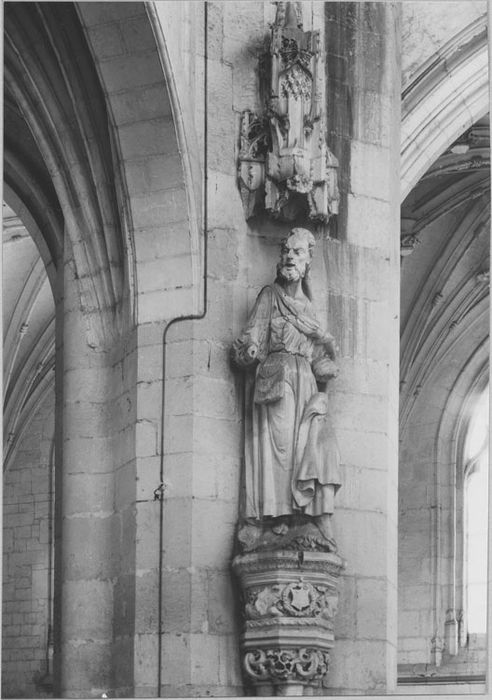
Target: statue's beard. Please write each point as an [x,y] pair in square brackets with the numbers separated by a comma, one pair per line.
[291,273]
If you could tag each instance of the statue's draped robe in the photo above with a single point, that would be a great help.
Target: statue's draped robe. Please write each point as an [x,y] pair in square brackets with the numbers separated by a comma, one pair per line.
[291,453]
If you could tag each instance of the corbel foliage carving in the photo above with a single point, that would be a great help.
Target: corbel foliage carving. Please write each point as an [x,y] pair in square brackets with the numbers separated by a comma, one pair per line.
[285,165]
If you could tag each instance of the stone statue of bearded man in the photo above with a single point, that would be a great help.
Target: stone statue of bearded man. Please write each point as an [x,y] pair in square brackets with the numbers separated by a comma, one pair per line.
[291,455]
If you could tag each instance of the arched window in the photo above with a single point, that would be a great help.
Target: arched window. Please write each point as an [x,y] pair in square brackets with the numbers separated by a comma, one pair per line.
[476,469]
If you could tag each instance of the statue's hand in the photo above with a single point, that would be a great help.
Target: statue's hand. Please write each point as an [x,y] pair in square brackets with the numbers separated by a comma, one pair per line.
[245,355]
[330,344]
[251,352]
[325,369]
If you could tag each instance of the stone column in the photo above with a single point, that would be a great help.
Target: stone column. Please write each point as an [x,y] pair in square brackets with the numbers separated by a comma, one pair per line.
[84,488]
[362,282]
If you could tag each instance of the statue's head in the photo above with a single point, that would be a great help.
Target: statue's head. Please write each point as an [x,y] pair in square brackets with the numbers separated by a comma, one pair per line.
[295,255]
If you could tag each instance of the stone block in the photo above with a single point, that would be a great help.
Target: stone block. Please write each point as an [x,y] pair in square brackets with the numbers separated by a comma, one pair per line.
[221,604]
[125,487]
[223,253]
[368,158]
[147,477]
[216,436]
[353,271]
[180,354]
[147,538]
[175,271]
[150,335]
[363,489]
[178,469]
[228,477]
[146,602]
[371,222]
[146,440]
[215,31]
[244,21]
[176,601]
[89,419]
[146,661]
[149,398]
[90,538]
[223,188]
[87,609]
[372,614]
[90,493]
[221,148]
[160,208]
[362,543]
[101,14]
[373,120]
[417,623]
[367,377]
[177,655]
[155,173]
[24,532]
[165,304]
[90,667]
[178,533]
[18,520]
[138,35]
[230,675]
[379,326]
[107,41]
[141,104]
[123,666]
[217,477]
[244,60]
[212,546]
[179,431]
[148,138]
[361,412]
[204,659]
[125,73]
[358,667]
[215,398]
[123,444]
[219,95]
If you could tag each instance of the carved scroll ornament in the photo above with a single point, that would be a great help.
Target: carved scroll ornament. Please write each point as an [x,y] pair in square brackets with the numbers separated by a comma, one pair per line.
[292,665]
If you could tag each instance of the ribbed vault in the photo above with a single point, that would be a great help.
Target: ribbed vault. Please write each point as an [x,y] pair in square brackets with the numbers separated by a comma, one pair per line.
[445,280]
[445,97]
[64,168]
[444,367]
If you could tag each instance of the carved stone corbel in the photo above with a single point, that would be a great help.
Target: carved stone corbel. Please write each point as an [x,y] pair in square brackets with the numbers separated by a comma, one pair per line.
[289,604]
[285,165]
[408,236]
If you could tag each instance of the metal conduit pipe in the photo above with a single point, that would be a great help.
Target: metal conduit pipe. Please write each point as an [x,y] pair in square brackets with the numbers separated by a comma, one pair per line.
[178,319]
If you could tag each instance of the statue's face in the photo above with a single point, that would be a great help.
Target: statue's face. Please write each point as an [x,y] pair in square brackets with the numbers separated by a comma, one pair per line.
[294,257]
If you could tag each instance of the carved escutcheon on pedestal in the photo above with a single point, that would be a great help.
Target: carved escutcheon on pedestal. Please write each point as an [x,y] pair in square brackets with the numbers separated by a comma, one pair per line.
[289,600]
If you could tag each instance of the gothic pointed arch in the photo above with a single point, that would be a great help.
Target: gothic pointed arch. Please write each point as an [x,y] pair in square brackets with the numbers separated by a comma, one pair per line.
[156,147]
[51,80]
[447,96]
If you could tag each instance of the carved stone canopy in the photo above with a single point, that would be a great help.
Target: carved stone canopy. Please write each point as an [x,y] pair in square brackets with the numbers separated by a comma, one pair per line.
[285,165]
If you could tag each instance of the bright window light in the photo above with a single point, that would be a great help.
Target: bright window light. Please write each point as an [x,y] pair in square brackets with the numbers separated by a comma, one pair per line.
[476,516]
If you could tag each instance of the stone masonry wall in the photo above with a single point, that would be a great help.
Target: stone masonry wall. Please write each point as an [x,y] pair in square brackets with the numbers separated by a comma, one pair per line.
[356,287]
[27,497]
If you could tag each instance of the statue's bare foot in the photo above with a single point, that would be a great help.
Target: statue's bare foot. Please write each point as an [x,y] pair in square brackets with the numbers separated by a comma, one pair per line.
[280,528]
[325,526]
